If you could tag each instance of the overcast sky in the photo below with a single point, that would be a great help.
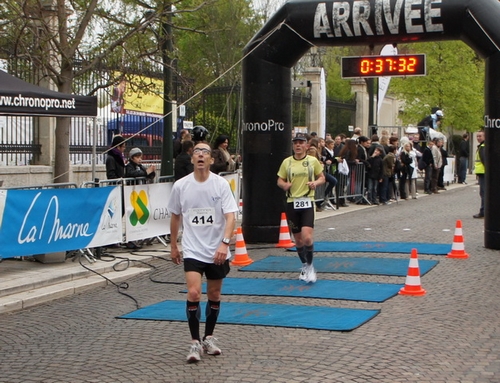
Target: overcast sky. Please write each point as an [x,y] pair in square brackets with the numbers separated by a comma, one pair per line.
[269,6]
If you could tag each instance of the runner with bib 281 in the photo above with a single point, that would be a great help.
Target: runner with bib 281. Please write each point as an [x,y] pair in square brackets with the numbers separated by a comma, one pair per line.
[298,176]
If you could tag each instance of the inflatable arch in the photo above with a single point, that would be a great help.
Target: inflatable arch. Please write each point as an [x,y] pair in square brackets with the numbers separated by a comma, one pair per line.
[300,24]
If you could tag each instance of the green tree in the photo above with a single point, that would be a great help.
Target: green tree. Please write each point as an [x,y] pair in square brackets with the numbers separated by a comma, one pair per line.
[454,82]
[221,31]
[65,40]
[336,87]
[209,47]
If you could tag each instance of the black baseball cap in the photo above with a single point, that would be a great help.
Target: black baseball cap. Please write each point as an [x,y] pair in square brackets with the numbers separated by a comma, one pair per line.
[299,137]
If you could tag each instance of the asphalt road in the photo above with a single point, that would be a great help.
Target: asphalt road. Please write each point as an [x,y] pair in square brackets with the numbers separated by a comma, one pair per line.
[452,334]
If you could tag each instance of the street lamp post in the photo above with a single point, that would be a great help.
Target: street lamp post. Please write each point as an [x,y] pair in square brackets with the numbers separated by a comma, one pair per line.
[167,160]
[370,82]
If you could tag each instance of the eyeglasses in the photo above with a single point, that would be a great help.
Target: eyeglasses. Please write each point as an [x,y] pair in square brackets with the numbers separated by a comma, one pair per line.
[202,151]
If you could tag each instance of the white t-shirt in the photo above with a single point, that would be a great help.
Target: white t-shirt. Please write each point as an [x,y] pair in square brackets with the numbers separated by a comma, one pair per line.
[202,206]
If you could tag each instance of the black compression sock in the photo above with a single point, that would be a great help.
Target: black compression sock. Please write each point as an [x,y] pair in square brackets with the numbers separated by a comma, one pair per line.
[212,313]
[193,316]
[300,252]
[309,254]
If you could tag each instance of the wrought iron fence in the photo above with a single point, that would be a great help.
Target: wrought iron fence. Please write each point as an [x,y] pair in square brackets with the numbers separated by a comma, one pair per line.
[220,110]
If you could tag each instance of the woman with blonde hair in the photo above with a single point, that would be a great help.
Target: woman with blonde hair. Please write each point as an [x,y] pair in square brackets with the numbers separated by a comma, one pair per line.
[314,149]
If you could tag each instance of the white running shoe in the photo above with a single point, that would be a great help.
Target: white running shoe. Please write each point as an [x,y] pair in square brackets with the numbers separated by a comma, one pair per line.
[194,353]
[310,274]
[303,272]
[210,347]
[329,204]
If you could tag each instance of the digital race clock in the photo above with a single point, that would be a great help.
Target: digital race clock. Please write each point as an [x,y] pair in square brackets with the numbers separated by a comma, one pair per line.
[377,66]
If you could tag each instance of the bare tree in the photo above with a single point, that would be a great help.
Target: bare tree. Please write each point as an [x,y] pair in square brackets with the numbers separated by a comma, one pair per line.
[55,35]
[266,8]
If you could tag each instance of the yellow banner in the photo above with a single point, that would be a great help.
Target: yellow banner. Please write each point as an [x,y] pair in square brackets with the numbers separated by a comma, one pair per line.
[137,95]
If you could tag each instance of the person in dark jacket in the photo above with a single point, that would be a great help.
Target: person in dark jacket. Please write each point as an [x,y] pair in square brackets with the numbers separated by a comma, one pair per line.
[183,164]
[115,162]
[433,121]
[330,163]
[348,153]
[184,136]
[463,154]
[363,146]
[223,160]
[388,163]
[375,143]
[406,169]
[374,175]
[428,160]
[135,168]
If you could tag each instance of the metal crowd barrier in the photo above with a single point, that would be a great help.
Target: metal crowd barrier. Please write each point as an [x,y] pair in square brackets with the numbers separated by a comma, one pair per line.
[126,181]
[69,185]
[319,194]
[352,186]
[123,181]
[165,179]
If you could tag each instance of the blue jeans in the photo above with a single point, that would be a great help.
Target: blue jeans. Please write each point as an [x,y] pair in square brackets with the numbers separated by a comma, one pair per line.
[384,190]
[428,178]
[462,169]
[372,190]
[332,182]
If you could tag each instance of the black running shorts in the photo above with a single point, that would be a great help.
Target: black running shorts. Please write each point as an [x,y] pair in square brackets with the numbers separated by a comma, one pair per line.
[298,218]
[211,270]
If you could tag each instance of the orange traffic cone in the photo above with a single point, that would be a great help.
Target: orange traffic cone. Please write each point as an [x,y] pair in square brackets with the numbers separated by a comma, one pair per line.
[285,241]
[457,248]
[412,285]
[241,257]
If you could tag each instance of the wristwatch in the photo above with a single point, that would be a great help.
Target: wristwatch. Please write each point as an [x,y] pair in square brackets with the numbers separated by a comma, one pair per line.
[226,241]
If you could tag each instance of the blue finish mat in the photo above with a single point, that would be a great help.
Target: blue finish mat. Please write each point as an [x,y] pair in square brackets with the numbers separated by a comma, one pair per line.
[310,317]
[346,265]
[345,290]
[381,247]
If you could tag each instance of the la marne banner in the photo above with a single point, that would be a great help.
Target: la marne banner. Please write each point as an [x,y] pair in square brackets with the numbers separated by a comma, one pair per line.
[39,221]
